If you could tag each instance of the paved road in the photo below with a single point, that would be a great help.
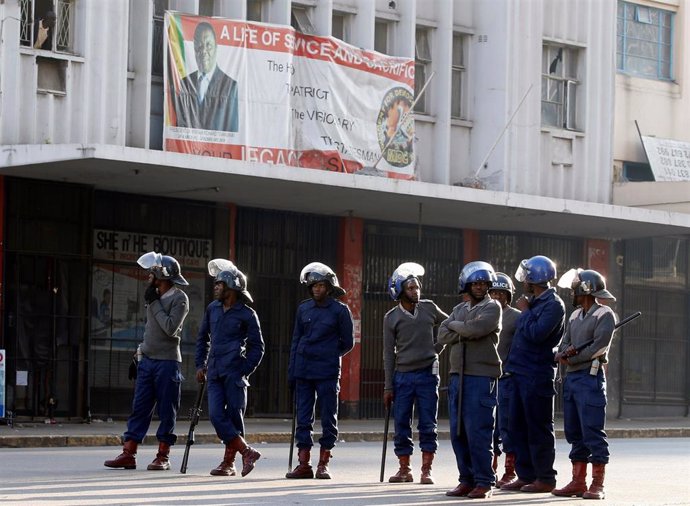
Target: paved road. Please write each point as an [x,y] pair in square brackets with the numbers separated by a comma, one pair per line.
[643,472]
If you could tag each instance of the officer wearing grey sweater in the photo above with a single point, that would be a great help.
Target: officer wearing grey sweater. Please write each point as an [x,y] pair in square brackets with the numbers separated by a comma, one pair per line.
[410,359]
[158,378]
[472,332]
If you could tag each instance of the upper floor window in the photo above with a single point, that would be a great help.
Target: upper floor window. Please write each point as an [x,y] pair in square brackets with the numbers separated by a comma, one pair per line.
[458,97]
[159,8]
[47,24]
[300,20]
[422,67]
[254,8]
[382,36]
[644,41]
[340,26]
[559,86]
[206,8]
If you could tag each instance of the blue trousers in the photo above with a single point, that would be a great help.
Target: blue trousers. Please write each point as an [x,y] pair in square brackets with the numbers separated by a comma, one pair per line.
[532,436]
[501,431]
[306,393]
[584,416]
[159,385]
[227,402]
[420,386]
[473,445]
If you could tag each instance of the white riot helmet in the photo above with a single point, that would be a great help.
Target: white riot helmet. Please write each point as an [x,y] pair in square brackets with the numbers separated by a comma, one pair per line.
[225,271]
[315,272]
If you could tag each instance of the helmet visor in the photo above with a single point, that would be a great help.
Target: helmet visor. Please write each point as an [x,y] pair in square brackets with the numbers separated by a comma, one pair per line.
[218,265]
[150,260]
[408,269]
[522,271]
[570,279]
[315,267]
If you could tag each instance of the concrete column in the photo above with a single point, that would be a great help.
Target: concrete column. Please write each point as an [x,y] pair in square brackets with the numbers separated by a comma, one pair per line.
[350,264]
[440,89]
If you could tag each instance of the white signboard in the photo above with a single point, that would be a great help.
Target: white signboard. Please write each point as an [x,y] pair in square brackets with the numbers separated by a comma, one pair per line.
[669,159]
[2,383]
[270,94]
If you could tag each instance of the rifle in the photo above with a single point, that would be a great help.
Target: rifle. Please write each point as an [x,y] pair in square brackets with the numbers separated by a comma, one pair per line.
[194,414]
[575,351]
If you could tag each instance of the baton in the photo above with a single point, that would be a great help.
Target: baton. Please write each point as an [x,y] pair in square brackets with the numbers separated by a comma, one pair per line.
[292,432]
[385,442]
[618,325]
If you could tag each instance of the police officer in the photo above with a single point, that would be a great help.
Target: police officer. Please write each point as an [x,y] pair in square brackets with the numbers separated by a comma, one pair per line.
[158,378]
[532,387]
[231,330]
[472,332]
[584,347]
[503,290]
[410,360]
[323,333]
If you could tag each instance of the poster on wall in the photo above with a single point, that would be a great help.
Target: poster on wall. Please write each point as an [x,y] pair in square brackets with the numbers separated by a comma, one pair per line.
[118,315]
[270,94]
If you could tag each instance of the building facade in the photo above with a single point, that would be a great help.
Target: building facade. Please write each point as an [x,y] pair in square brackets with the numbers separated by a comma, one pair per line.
[517,143]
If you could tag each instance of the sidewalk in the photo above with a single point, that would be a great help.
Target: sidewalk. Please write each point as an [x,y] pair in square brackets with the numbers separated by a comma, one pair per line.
[277,430]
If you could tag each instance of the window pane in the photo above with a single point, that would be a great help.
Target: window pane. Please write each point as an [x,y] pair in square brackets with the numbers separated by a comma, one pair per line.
[338,26]
[419,80]
[205,7]
[456,95]
[641,66]
[458,57]
[254,10]
[422,50]
[570,57]
[64,25]
[381,37]
[550,114]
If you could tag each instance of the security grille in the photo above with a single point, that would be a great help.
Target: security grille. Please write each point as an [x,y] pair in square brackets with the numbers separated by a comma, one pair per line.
[272,249]
[385,247]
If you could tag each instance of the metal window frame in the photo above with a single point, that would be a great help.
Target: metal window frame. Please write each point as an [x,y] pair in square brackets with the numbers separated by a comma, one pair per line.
[659,42]
[459,71]
[300,14]
[567,106]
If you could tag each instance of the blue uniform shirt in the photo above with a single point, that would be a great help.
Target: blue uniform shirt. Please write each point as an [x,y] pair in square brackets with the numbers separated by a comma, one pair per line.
[323,334]
[234,337]
[539,330]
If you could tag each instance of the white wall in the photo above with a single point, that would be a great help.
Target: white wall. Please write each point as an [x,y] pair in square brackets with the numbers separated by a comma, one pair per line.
[110,95]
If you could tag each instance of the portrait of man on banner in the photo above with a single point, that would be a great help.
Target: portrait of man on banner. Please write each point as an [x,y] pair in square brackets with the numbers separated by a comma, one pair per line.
[207,97]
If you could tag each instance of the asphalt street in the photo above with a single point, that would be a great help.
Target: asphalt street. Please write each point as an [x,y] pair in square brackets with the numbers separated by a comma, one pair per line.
[650,471]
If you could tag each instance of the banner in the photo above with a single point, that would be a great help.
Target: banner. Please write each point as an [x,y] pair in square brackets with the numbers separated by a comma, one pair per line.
[269,94]
[669,159]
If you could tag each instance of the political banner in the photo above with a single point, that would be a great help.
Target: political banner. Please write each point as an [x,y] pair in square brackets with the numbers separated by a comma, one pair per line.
[270,94]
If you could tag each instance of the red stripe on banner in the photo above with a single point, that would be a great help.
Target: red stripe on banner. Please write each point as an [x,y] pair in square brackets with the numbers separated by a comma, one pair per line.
[280,39]
[309,159]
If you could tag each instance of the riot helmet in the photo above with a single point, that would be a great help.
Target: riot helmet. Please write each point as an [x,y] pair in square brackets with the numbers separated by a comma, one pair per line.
[503,283]
[315,272]
[162,267]
[585,282]
[224,270]
[538,270]
[474,272]
[404,273]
